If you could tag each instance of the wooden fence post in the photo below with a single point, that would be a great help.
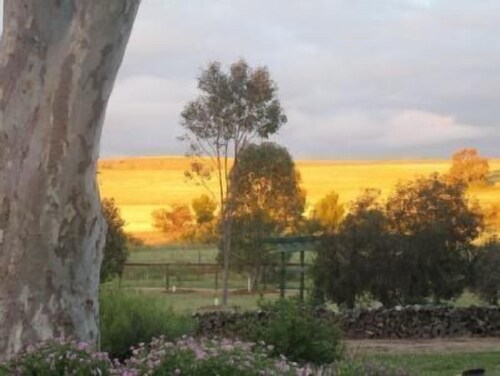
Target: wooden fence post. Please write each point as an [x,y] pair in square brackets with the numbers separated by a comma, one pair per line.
[265,278]
[283,276]
[167,277]
[302,275]
[216,279]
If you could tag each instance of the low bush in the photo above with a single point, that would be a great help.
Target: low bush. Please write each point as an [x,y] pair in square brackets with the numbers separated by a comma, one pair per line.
[295,331]
[130,318]
[58,358]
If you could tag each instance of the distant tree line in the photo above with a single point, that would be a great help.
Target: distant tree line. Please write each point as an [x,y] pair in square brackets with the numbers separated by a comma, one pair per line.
[425,240]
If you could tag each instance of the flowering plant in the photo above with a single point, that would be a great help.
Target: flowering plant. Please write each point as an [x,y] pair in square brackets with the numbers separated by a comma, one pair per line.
[59,357]
[187,356]
[196,357]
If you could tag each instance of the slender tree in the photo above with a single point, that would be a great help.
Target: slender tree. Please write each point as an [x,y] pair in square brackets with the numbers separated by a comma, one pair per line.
[59,61]
[233,109]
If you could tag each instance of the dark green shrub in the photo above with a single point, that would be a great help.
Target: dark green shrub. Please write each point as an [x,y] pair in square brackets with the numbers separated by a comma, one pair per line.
[115,251]
[129,318]
[486,273]
[4,371]
[293,330]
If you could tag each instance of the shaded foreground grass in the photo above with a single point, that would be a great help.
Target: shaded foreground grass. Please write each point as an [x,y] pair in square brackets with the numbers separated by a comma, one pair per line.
[441,364]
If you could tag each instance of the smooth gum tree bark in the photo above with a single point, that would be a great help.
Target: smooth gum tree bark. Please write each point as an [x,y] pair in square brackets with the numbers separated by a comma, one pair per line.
[58,63]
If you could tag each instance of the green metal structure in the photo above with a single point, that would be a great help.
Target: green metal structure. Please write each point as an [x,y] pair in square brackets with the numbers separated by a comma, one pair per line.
[293,244]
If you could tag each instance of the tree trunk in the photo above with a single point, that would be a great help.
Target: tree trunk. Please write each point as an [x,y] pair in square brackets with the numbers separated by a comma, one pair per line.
[255,277]
[58,63]
[226,253]
[228,213]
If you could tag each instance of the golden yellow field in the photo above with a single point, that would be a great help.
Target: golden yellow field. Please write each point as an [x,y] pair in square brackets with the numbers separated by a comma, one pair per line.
[143,184]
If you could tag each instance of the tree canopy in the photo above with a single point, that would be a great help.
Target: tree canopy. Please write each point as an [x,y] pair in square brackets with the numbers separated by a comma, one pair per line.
[328,212]
[204,209]
[268,202]
[173,220]
[417,245]
[486,279]
[206,228]
[469,167]
[233,109]
[342,269]
[442,223]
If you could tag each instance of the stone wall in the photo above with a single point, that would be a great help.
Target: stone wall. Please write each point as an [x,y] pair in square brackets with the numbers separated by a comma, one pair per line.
[409,322]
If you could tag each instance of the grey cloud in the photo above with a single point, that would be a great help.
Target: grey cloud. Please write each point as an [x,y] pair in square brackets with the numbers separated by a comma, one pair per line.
[357,78]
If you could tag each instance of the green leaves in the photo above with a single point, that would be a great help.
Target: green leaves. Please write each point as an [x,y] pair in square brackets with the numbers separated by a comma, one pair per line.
[116,248]
[416,246]
[268,202]
[232,109]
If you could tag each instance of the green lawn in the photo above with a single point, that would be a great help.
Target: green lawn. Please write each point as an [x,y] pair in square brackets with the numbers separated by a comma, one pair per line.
[442,364]
[186,253]
[188,303]
[173,253]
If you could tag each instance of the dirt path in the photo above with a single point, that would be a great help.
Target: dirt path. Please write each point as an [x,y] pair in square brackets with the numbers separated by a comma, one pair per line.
[455,345]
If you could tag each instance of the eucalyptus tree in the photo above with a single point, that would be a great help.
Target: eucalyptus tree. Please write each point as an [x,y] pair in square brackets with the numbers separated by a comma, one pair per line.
[232,109]
[58,63]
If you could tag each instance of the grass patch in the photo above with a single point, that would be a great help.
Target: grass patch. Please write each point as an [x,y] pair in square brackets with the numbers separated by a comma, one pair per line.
[188,303]
[468,299]
[173,253]
[442,364]
[192,254]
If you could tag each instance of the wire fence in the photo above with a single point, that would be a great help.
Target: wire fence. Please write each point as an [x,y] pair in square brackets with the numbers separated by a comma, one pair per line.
[180,276]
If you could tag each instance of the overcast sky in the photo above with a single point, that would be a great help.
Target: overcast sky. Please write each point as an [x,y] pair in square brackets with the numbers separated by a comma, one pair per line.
[357,78]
